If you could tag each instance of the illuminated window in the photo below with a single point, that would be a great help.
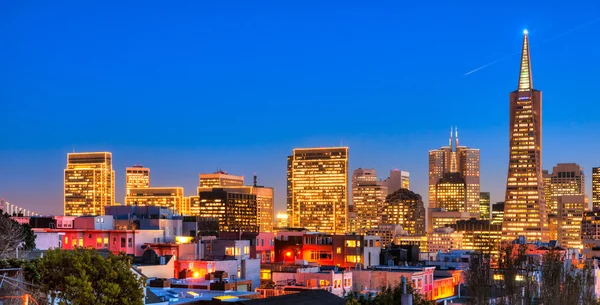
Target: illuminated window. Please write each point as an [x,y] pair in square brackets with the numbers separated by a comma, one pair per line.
[351,243]
[338,250]
[229,251]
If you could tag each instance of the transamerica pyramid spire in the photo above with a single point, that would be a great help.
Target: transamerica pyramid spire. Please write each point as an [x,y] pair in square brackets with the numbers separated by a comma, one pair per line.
[525,79]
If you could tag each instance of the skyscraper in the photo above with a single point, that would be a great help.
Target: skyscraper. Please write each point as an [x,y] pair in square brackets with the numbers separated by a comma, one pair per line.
[454,166]
[89,183]
[497,213]
[220,179]
[398,179]
[235,208]
[264,206]
[525,212]
[484,206]
[318,189]
[596,187]
[405,208]
[368,197]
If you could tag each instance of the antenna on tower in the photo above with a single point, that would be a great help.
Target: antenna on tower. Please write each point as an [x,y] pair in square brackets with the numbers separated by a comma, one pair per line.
[450,139]
[456,134]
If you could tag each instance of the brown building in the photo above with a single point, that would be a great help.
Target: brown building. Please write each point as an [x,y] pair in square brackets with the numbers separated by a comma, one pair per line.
[449,164]
[570,218]
[525,212]
[565,179]
[405,208]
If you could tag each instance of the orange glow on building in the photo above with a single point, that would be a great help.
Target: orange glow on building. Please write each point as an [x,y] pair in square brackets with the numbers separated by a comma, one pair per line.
[89,183]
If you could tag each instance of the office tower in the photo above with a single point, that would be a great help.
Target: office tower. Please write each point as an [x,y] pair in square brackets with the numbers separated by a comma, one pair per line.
[565,179]
[525,212]
[479,235]
[444,239]
[456,165]
[590,226]
[368,197]
[440,218]
[235,208]
[484,206]
[166,197]
[136,176]
[497,213]
[89,183]
[318,189]
[570,217]
[596,187]
[397,180]
[220,179]
[405,208]
[264,206]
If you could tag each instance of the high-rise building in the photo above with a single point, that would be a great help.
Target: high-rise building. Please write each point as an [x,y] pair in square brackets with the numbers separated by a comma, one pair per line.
[596,187]
[264,207]
[565,179]
[281,220]
[570,217]
[318,189]
[444,239]
[398,179]
[405,208]
[166,197]
[235,208]
[454,165]
[136,176]
[498,213]
[479,235]
[368,197]
[484,206]
[89,183]
[525,212]
[220,179]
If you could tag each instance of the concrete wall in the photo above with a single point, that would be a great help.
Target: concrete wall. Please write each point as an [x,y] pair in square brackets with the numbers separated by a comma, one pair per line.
[47,240]
[166,271]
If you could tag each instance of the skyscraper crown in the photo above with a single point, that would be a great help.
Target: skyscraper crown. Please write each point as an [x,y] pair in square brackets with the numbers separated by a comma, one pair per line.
[525,79]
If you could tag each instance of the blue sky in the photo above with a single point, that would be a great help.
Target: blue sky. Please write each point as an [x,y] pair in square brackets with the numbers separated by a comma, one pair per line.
[189,87]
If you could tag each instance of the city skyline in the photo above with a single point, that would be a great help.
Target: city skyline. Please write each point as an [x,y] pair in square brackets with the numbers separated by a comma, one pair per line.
[41,142]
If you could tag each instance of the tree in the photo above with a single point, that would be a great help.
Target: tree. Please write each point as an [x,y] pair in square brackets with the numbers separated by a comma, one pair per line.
[387,296]
[83,276]
[477,279]
[14,236]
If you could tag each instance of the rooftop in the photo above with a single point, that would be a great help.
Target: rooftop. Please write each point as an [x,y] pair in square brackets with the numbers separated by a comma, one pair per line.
[184,295]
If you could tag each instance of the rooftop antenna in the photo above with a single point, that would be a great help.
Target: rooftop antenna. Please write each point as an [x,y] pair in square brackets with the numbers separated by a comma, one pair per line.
[450,139]
[456,134]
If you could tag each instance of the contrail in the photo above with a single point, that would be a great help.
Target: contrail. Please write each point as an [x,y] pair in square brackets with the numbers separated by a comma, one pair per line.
[543,42]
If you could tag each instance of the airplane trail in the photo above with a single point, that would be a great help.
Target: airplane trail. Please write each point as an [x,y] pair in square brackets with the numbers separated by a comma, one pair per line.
[543,42]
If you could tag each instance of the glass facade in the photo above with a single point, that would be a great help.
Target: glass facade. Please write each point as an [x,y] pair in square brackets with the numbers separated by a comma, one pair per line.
[318,189]
[89,183]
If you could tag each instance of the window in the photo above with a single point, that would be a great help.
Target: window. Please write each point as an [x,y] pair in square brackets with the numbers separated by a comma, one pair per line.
[353,258]
[81,242]
[130,242]
[352,243]
[262,242]
[66,240]
[320,255]
[105,242]
[237,250]
[246,250]
[229,250]
[114,241]
[338,250]
[376,243]
[122,242]
[324,283]
[98,242]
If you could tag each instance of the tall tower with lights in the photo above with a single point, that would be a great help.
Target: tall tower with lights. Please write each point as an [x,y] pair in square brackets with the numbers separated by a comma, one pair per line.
[525,212]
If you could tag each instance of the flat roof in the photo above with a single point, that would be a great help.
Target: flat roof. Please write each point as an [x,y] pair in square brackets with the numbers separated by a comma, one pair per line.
[184,295]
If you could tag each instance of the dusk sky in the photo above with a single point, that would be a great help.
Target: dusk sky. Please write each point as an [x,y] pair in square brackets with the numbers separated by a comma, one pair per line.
[188,88]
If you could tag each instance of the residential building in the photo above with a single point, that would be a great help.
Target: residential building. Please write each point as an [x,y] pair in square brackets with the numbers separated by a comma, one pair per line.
[596,187]
[116,241]
[397,180]
[525,212]
[136,176]
[405,208]
[421,278]
[387,233]
[570,217]
[89,183]
[167,197]
[484,206]
[104,222]
[368,197]
[590,226]
[318,189]
[337,282]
